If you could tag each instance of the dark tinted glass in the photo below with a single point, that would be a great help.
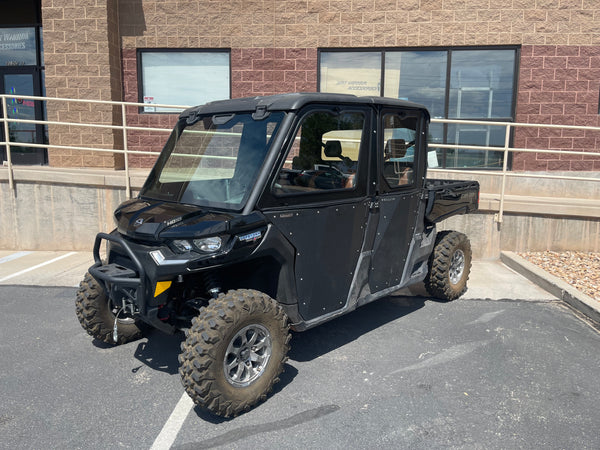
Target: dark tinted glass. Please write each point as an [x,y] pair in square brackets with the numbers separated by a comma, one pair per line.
[419,77]
[481,84]
[19,12]
[480,135]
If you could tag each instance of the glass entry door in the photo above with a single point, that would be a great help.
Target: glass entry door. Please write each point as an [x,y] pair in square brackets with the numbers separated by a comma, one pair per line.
[22,82]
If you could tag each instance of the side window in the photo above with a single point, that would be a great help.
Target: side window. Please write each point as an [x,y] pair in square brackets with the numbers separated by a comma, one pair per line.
[399,134]
[324,154]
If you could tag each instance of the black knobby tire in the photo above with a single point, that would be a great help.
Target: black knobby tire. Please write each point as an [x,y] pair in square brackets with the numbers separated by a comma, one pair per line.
[449,266]
[97,317]
[244,330]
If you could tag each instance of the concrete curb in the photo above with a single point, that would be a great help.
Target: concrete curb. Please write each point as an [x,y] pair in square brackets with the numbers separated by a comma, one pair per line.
[554,285]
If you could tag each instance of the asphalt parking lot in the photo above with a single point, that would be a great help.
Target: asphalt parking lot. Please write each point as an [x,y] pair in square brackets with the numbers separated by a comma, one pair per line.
[486,371]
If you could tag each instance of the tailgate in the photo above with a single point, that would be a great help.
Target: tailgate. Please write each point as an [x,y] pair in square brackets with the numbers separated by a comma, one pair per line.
[447,198]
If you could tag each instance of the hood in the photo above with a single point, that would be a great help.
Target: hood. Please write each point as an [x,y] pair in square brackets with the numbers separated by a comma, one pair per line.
[143,219]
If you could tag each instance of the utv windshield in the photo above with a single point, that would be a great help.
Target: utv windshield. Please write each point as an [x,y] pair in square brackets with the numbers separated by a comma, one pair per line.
[214,161]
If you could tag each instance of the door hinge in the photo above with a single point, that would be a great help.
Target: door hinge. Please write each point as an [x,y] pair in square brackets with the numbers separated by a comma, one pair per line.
[374,205]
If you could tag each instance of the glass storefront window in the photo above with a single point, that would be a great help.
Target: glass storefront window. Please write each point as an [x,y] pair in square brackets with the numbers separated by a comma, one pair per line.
[183,78]
[417,76]
[479,135]
[21,74]
[454,83]
[357,73]
[481,84]
[17,47]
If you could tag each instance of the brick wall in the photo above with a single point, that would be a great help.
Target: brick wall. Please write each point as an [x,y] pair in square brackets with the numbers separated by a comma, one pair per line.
[266,71]
[357,23]
[274,45]
[558,84]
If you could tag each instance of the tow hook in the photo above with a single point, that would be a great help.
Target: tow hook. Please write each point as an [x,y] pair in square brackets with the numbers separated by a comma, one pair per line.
[115,334]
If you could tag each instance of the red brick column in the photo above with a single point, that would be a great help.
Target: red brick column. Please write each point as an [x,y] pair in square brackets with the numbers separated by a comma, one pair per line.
[558,84]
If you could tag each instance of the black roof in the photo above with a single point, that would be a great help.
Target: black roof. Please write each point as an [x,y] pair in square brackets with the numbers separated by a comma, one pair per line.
[292,101]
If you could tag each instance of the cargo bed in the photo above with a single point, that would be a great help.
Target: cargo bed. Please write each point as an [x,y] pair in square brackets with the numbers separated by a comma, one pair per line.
[446,198]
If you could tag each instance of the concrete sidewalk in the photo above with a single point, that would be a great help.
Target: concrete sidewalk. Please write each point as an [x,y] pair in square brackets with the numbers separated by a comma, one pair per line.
[43,268]
[490,279]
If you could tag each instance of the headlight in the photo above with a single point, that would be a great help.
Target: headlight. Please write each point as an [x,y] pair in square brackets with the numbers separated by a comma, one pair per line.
[182,245]
[208,245]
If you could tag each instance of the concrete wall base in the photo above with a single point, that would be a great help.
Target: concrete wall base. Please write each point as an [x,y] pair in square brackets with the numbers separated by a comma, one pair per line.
[521,233]
[60,210]
[55,216]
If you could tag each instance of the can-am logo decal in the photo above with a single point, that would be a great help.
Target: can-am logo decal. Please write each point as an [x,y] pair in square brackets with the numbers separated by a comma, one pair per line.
[138,222]
[250,237]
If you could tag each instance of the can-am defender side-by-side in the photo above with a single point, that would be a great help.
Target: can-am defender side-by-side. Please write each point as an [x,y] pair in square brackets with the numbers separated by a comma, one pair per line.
[267,214]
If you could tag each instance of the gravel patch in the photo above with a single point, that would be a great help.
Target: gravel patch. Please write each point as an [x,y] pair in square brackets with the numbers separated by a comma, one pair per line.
[580,269]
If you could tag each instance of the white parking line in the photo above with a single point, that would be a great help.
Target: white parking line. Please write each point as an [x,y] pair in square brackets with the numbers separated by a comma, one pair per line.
[29,269]
[13,256]
[169,431]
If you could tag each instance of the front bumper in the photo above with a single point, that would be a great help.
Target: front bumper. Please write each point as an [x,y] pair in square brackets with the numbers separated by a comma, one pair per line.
[128,287]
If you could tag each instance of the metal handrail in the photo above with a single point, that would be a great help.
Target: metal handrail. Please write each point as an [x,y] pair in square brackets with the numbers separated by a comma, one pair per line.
[124,127]
[506,149]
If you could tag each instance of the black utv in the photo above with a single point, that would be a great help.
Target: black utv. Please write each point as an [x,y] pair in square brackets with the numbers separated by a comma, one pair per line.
[267,214]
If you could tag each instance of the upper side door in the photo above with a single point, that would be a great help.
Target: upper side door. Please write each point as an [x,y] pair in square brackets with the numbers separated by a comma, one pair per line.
[394,214]
[318,201]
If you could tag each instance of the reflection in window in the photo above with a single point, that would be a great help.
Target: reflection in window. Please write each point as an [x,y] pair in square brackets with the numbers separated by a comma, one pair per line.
[451,83]
[214,161]
[183,78]
[357,73]
[417,76]
[17,47]
[480,135]
[324,155]
[399,134]
[481,84]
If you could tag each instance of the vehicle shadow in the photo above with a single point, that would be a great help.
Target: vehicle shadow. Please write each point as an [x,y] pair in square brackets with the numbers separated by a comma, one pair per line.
[322,339]
[157,350]
[160,351]
[318,341]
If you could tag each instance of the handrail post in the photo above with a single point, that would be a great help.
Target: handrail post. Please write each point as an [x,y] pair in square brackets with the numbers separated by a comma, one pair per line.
[11,182]
[125,155]
[500,214]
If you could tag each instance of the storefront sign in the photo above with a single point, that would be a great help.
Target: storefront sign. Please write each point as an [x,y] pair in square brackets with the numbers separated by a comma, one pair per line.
[357,81]
[17,46]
